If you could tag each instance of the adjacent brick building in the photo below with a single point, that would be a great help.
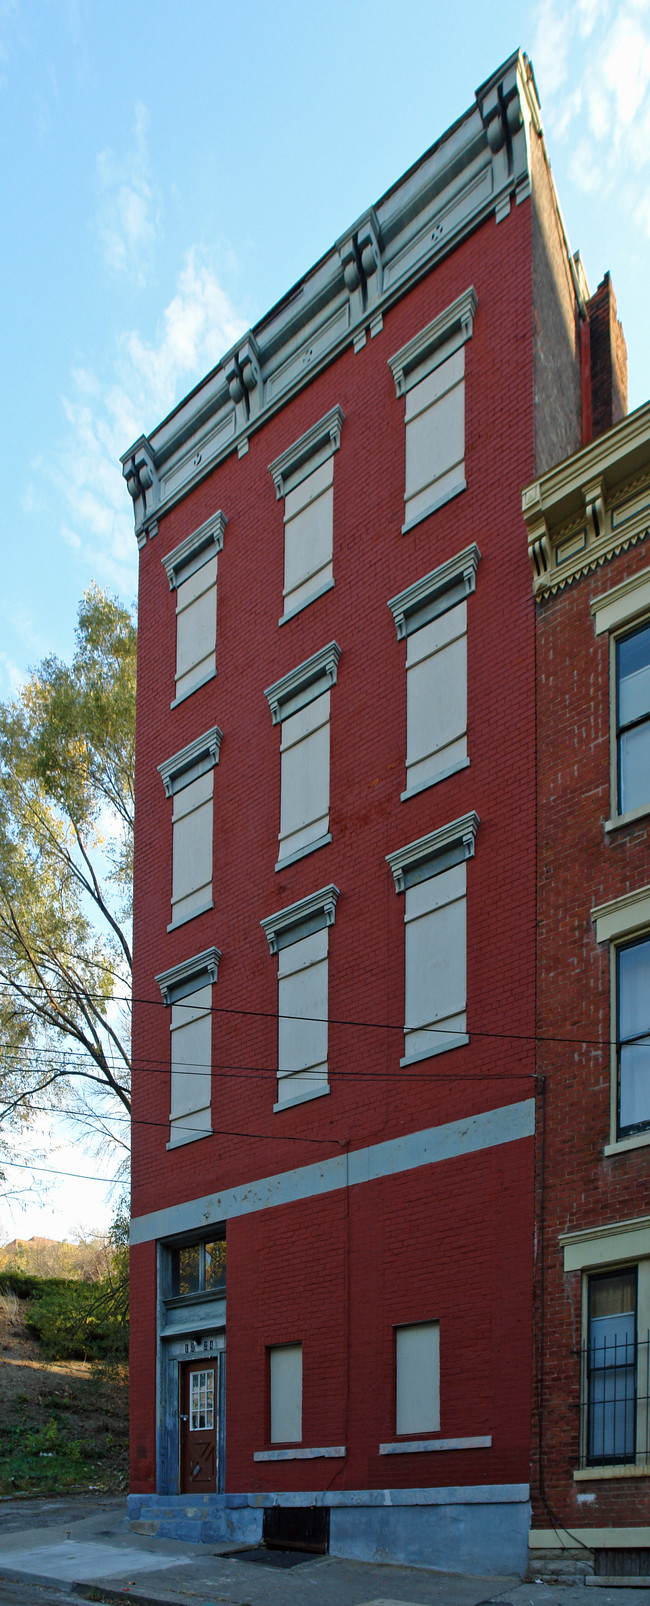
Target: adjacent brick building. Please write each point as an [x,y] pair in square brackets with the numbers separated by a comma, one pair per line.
[588,522]
[335,883]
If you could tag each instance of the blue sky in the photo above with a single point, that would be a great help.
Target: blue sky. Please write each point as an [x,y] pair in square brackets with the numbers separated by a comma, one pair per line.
[169,171]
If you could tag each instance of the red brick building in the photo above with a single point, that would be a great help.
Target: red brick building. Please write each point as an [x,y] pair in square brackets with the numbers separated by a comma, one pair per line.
[334,1022]
[588,522]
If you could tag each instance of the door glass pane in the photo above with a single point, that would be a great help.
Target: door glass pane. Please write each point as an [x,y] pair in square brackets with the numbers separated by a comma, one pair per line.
[201,1401]
[612,1367]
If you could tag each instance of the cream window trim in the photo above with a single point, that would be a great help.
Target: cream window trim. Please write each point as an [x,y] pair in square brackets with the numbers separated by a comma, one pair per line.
[191,762]
[608,1245]
[622,605]
[443,336]
[623,916]
[623,1145]
[308,452]
[627,819]
[302,685]
[443,588]
[202,544]
[619,1470]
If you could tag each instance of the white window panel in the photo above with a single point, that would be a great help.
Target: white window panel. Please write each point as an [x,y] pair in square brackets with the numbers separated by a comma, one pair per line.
[417,1365]
[436,698]
[191,1067]
[196,628]
[201,1400]
[285,1365]
[436,985]
[302,1025]
[192,849]
[305,784]
[308,514]
[435,437]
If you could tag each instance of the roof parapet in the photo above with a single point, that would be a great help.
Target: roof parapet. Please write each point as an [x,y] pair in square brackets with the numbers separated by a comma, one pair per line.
[476,169]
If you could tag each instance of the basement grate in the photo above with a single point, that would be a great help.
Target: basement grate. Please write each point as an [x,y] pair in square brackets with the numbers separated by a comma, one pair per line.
[258,1554]
[621,1562]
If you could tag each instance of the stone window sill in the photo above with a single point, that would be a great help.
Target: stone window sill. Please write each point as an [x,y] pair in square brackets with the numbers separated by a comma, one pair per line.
[625,1145]
[300,1098]
[452,1041]
[442,775]
[433,507]
[420,1446]
[619,820]
[336,1452]
[589,1474]
[301,853]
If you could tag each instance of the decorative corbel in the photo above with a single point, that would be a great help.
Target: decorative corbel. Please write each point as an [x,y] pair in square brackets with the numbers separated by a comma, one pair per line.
[361,264]
[595,506]
[244,380]
[500,105]
[540,547]
[143,486]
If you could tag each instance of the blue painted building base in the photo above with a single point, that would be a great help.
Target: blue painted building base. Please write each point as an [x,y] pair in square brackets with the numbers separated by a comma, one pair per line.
[480,1530]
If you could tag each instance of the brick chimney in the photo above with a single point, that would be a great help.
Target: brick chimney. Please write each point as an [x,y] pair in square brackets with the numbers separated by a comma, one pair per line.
[608,360]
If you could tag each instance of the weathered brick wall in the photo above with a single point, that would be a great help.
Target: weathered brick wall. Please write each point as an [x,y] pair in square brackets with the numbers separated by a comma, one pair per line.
[483,1276]
[580,866]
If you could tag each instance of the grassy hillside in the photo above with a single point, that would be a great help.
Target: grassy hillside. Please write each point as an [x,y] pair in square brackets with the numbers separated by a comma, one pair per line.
[63,1403]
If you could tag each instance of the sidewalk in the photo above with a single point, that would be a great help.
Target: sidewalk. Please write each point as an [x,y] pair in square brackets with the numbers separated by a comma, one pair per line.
[84,1547]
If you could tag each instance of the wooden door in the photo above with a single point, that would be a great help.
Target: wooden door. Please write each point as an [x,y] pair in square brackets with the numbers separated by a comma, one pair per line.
[199,1395]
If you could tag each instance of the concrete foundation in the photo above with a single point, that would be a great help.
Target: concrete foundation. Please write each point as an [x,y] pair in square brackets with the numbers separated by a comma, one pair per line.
[482,1530]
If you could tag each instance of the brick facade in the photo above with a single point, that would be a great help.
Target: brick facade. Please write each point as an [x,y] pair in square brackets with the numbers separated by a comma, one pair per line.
[587,857]
[450,1241]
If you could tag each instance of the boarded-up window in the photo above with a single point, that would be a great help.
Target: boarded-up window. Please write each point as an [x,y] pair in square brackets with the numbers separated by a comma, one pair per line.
[191,1062]
[308,513]
[436,985]
[417,1367]
[305,794]
[192,848]
[436,698]
[196,627]
[285,1366]
[302,1025]
[435,437]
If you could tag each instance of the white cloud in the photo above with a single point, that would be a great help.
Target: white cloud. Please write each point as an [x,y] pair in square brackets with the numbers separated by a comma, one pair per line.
[593,66]
[127,214]
[12,678]
[106,412]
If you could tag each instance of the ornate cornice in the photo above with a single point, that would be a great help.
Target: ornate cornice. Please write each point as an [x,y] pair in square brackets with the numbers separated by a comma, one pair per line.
[433,345]
[307,453]
[191,762]
[301,919]
[303,684]
[591,506]
[435,852]
[190,975]
[476,170]
[199,546]
[441,589]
